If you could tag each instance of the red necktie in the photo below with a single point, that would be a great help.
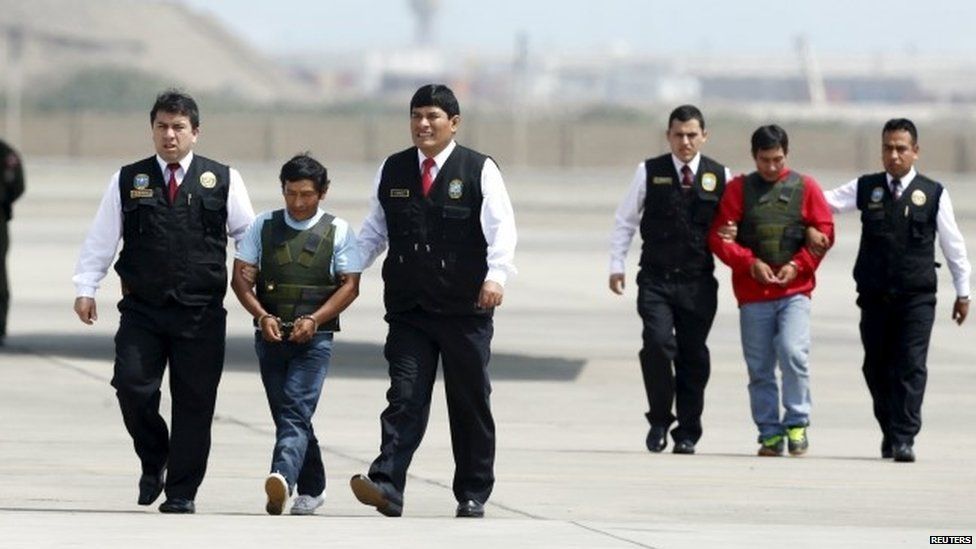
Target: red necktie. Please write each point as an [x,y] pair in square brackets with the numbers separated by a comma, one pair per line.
[686,177]
[427,178]
[173,187]
[896,188]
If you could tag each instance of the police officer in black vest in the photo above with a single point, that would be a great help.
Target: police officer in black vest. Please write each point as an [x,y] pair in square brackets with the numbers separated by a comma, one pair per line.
[11,187]
[673,199]
[446,216]
[173,212]
[903,213]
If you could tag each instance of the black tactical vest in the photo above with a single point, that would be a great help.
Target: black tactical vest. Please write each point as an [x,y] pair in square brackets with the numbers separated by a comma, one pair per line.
[675,223]
[772,222]
[11,180]
[897,251]
[296,269]
[176,252]
[438,254]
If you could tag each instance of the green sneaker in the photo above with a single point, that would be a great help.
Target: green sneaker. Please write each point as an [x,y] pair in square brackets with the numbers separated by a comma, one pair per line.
[797,440]
[772,446]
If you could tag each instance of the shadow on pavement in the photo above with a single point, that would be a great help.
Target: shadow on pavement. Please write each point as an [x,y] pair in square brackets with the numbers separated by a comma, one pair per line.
[351,360]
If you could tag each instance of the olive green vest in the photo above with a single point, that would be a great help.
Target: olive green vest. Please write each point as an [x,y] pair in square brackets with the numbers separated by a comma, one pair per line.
[296,276]
[772,223]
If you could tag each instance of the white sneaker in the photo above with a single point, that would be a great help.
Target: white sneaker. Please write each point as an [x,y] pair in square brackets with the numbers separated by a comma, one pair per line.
[306,505]
[277,490]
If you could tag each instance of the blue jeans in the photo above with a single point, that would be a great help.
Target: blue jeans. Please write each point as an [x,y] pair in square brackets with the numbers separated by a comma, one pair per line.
[293,375]
[772,331]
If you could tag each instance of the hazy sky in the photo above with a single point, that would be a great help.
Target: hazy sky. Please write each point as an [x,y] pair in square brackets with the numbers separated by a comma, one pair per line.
[640,26]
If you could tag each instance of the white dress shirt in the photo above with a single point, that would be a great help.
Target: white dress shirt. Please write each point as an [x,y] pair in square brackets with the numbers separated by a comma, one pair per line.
[628,216]
[497,220]
[844,199]
[102,241]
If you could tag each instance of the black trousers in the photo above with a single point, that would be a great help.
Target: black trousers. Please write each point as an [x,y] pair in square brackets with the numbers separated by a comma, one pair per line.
[413,345]
[191,340]
[4,287]
[895,332]
[677,315]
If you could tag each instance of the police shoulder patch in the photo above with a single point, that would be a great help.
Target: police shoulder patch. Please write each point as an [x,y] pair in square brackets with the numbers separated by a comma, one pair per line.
[709,181]
[877,194]
[918,197]
[208,180]
[140,181]
[455,188]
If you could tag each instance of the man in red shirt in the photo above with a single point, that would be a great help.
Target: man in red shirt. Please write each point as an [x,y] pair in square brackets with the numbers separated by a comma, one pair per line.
[773,277]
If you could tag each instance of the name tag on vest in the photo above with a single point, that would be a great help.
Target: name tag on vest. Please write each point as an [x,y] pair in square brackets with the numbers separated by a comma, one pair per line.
[141,193]
[661,181]
[399,193]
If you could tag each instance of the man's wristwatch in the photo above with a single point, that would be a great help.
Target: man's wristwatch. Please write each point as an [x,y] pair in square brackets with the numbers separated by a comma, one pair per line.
[963,299]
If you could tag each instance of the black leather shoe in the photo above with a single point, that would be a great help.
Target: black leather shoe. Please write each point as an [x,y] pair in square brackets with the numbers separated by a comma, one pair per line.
[150,486]
[657,439]
[886,451]
[371,493]
[903,452]
[470,509]
[180,506]
[684,447]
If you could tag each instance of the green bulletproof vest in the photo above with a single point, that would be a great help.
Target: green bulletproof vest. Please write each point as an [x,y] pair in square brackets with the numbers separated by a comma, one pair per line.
[772,224]
[296,277]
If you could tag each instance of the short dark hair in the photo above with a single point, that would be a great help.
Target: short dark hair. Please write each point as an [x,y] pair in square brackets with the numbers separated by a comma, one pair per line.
[770,137]
[685,113]
[303,166]
[175,101]
[436,95]
[901,124]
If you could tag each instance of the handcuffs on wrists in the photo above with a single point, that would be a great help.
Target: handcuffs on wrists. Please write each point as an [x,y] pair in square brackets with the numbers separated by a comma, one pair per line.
[286,327]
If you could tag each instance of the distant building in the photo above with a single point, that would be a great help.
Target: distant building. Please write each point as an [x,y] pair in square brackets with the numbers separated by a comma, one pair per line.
[46,43]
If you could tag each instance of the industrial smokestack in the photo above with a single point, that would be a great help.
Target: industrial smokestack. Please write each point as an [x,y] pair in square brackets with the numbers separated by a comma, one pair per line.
[424,11]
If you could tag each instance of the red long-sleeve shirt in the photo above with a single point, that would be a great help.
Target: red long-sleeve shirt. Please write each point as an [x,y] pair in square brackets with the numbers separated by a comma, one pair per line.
[815,213]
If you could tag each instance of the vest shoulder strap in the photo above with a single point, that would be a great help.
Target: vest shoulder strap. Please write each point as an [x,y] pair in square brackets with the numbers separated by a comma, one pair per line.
[754,193]
[276,233]
[314,238]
